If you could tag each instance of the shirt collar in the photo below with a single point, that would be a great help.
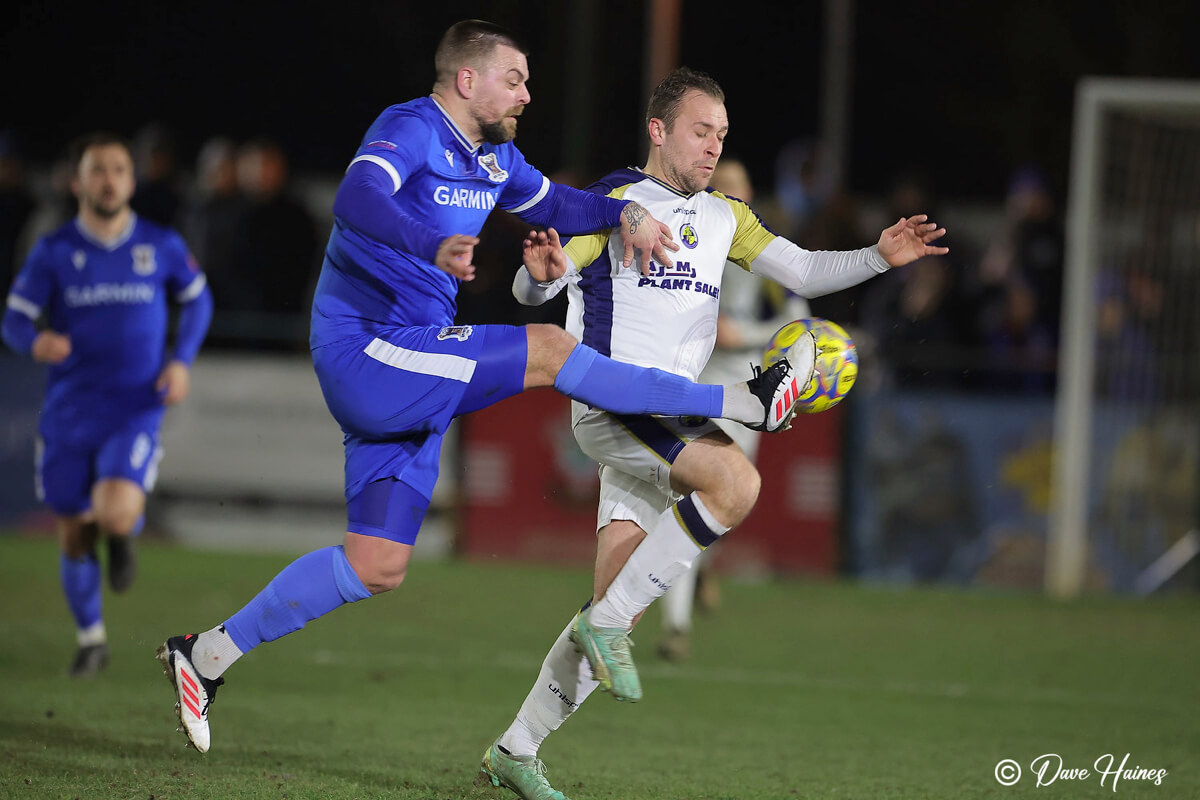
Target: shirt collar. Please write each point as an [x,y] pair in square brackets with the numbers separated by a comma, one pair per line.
[113,243]
[453,126]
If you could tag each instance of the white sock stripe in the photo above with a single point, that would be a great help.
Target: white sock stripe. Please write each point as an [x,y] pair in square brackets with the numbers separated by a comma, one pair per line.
[442,365]
[706,515]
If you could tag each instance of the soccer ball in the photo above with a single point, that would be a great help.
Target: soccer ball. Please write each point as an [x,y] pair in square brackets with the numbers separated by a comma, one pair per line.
[837,361]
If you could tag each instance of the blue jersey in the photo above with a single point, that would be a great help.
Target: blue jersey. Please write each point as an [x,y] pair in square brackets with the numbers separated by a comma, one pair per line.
[441,180]
[111,299]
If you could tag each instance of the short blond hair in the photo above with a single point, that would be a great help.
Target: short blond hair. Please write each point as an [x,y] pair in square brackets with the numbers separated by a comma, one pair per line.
[470,43]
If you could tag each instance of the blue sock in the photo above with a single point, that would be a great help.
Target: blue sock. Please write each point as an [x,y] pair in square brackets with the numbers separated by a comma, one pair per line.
[623,388]
[80,579]
[309,587]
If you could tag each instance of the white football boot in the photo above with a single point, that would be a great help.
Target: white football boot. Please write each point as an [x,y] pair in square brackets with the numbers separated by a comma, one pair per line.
[779,386]
[193,692]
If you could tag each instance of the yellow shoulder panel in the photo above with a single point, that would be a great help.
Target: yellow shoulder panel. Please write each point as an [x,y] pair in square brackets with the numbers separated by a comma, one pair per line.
[751,236]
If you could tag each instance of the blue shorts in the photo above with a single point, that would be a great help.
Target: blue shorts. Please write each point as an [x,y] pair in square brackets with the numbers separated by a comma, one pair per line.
[64,474]
[395,390]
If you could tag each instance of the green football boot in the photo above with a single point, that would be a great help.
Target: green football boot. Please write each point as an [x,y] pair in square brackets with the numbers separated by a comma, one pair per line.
[525,775]
[607,650]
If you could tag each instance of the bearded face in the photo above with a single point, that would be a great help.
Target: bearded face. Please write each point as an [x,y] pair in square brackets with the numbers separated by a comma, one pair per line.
[500,95]
[104,182]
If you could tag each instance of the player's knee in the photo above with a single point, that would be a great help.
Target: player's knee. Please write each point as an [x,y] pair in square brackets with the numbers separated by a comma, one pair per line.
[745,489]
[549,346]
[385,577]
[734,491]
[119,520]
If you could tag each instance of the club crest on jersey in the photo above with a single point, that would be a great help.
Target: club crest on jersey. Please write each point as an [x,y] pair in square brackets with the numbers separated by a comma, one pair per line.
[687,235]
[495,174]
[78,258]
[460,332]
[143,259]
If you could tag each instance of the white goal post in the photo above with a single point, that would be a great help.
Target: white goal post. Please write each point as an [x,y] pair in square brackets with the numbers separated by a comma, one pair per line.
[1125,133]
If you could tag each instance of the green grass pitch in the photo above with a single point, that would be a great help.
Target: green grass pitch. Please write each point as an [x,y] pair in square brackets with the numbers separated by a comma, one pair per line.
[796,689]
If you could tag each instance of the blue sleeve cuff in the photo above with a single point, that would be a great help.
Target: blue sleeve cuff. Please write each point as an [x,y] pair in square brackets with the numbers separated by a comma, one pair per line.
[18,332]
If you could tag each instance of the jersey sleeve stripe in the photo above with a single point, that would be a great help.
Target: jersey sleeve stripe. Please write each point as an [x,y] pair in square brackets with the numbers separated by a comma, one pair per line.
[384,165]
[441,365]
[17,303]
[192,291]
[533,201]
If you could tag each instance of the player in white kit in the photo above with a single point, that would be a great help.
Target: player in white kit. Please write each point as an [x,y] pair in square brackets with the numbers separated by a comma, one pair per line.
[670,486]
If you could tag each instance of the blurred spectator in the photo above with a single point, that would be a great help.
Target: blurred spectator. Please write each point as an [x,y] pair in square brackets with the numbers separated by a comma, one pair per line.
[157,196]
[1127,320]
[803,183]
[54,208]
[918,317]
[276,247]
[1018,349]
[211,224]
[1020,289]
[17,205]
[1029,247]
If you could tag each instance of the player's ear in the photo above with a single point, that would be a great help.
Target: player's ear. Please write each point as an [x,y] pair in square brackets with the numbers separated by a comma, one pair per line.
[657,131]
[466,82]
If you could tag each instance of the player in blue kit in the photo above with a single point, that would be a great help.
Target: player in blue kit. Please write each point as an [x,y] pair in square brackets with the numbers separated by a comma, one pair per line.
[393,368]
[102,283]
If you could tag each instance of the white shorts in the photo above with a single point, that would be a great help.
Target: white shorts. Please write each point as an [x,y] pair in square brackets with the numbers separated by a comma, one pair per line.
[635,455]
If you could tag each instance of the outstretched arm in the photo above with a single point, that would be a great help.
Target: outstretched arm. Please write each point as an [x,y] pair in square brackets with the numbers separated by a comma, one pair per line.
[816,273]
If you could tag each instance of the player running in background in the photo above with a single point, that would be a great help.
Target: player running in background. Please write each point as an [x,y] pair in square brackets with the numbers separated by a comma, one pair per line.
[679,478]
[749,312]
[102,283]
[395,371]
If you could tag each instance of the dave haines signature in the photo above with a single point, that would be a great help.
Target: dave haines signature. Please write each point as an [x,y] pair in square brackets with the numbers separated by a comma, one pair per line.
[1049,768]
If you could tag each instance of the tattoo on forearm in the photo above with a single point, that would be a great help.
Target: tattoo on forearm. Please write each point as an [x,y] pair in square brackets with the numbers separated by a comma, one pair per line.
[634,214]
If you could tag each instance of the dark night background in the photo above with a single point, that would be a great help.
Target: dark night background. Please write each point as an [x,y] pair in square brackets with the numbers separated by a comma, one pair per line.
[968,91]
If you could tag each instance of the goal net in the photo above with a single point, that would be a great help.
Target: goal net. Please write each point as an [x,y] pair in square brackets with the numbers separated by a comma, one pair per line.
[1127,420]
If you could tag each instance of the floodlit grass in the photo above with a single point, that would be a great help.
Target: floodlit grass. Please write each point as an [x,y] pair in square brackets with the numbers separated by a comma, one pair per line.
[795,690]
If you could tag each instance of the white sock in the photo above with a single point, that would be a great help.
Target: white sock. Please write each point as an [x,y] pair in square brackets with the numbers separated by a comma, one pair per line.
[741,406]
[563,684]
[677,603]
[91,635]
[680,535]
[214,652]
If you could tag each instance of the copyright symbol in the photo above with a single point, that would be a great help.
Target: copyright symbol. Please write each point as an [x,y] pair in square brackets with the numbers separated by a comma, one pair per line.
[1008,772]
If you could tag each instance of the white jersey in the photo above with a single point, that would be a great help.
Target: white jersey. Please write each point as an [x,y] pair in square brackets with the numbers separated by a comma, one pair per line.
[668,319]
